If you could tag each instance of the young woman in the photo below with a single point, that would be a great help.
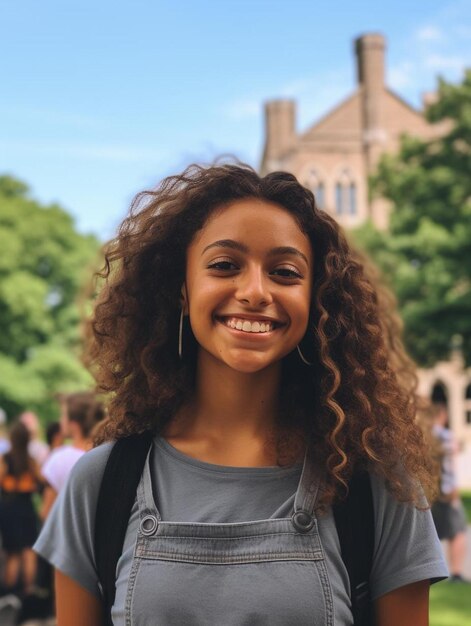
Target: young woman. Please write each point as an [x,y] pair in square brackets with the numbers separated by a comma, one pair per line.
[237,324]
[19,480]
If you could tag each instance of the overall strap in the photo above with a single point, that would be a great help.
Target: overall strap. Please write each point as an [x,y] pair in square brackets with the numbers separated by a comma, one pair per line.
[308,488]
[354,519]
[115,500]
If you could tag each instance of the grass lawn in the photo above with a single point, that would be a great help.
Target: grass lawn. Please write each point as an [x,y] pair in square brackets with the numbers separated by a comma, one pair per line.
[450,604]
[466,497]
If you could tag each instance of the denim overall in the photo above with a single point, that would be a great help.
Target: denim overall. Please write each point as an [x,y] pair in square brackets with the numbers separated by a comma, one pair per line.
[266,572]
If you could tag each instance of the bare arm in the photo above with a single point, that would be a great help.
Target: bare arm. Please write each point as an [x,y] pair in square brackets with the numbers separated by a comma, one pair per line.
[407,606]
[49,497]
[75,606]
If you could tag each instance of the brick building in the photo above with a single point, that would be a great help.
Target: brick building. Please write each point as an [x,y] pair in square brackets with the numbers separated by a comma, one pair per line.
[334,158]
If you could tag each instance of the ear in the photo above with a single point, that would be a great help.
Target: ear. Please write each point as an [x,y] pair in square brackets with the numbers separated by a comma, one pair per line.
[184,299]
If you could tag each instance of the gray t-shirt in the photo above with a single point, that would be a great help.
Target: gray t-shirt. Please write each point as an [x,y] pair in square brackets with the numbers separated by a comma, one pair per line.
[187,490]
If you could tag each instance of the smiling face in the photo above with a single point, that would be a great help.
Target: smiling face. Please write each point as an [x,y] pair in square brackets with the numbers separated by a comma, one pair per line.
[248,285]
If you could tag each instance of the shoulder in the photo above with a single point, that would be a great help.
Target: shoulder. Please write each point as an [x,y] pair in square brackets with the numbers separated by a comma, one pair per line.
[58,466]
[81,473]
[76,503]
[406,547]
[38,450]
[67,538]
[62,454]
[383,496]
[91,465]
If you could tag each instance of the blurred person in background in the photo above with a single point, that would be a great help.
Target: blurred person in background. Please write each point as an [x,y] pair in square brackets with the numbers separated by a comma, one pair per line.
[54,436]
[37,448]
[448,510]
[41,603]
[19,480]
[4,443]
[81,412]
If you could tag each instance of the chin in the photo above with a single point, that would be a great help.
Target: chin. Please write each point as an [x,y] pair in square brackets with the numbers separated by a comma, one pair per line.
[250,365]
[249,368]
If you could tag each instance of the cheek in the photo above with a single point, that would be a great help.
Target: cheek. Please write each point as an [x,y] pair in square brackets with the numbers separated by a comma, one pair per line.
[207,294]
[301,311]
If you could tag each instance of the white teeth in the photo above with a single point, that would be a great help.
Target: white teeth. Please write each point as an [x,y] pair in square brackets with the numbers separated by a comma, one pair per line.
[248,326]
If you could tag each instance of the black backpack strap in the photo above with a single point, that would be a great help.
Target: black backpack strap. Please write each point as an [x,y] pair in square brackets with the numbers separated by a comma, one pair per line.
[354,518]
[115,501]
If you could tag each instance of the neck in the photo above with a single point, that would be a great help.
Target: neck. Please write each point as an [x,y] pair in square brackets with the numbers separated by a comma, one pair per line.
[230,409]
[80,442]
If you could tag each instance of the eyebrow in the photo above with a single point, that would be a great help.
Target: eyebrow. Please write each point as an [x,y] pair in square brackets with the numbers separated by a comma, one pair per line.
[236,245]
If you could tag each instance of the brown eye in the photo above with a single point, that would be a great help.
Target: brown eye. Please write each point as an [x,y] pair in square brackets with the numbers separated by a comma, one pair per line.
[223,266]
[285,272]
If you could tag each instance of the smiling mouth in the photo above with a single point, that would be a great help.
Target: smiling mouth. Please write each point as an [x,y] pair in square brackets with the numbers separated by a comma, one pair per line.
[249,326]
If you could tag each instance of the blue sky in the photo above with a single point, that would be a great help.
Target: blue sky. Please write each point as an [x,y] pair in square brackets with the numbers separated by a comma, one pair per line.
[101,99]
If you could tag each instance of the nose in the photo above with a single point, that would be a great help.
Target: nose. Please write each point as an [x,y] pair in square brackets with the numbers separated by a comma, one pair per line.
[253,287]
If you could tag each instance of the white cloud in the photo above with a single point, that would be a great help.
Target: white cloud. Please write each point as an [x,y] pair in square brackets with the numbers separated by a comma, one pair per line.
[442,45]
[440,62]
[430,33]
[314,95]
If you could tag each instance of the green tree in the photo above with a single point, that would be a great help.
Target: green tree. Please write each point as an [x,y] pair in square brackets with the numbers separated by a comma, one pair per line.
[43,265]
[426,254]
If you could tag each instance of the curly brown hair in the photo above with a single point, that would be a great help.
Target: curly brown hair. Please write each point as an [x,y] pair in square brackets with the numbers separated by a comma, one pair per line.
[356,404]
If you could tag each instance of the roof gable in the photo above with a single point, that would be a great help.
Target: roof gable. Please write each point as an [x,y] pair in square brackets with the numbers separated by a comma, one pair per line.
[342,119]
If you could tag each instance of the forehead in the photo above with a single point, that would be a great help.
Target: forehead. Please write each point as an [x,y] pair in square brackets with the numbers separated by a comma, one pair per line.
[256,221]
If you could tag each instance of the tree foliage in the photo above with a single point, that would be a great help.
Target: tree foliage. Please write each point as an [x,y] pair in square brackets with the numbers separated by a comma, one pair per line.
[43,265]
[426,254]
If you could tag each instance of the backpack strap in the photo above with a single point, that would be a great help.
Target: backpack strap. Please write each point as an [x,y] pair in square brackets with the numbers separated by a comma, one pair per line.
[115,501]
[354,519]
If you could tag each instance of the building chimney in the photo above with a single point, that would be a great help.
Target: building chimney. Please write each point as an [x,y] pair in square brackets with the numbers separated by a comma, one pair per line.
[370,71]
[370,65]
[280,131]
[370,60]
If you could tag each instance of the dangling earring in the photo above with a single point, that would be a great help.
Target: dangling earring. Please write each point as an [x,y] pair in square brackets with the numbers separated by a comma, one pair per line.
[180,335]
[302,357]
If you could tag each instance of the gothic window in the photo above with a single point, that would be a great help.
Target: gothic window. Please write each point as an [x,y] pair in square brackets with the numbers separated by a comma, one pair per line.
[319,193]
[467,404]
[439,393]
[314,182]
[339,198]
[345,194]
[353,198]
[439,396]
